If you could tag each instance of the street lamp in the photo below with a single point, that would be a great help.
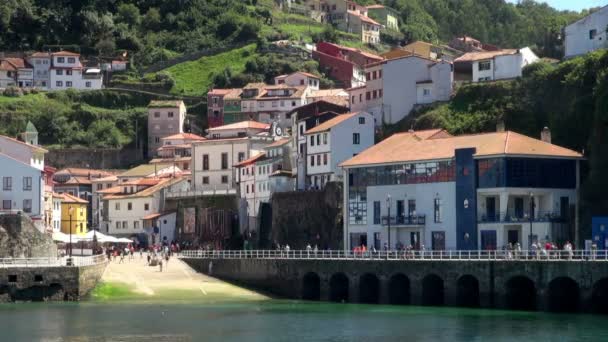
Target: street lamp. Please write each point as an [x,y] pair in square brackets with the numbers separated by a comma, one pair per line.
[531,215]
[388,203]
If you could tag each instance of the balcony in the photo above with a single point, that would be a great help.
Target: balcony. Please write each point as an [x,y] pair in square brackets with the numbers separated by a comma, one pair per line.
[523,217]
[410,220]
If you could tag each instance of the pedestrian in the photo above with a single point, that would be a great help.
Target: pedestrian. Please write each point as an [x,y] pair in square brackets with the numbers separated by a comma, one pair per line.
[149,258]
[122,257]
[160,264]
[141,253]
[167,261]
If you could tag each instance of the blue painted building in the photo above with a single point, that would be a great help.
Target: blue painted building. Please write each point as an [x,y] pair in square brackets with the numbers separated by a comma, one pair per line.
[464,192]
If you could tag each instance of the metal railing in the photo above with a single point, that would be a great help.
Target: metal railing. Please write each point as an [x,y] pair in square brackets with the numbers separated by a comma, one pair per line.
[476,255]
[405,220]
[199,193]
[512,216]
[52,262]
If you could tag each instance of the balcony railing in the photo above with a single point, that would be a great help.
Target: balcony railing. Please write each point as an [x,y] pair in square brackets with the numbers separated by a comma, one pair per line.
[511,216]
[409,220]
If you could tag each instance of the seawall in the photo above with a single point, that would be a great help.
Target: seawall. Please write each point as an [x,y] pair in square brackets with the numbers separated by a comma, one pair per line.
[571,286]
[49,283]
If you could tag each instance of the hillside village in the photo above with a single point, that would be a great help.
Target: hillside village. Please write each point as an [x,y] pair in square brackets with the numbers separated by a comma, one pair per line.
[213,177]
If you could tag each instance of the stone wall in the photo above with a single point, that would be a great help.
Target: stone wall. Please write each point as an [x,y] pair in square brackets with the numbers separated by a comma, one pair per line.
[19,238]
[48,283]
[303,217]
[579,285]
[107,158]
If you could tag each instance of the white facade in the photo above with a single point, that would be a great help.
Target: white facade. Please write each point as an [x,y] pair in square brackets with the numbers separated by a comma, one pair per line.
[503,66]
[42,67]
[97,202]
[56,223]
[22,188]
[67,72]
[29,154]
[326,149]
[298,79]
[587,34]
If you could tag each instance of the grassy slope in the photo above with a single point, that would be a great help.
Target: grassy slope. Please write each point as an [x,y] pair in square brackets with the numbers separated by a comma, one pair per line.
[194,78]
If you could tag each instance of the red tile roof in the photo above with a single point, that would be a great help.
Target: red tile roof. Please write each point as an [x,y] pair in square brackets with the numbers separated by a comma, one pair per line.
[251,160]
[219,91]
[41,54]
[364,18]
[65,53]
[280,142]
[327,125]
[184,136]
[482,55]
[437,145]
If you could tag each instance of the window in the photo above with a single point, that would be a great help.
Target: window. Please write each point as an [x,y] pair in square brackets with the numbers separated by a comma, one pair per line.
[135,224]
[325,159]
[27,205]
[117,206]
[318,139]
[379,73]
[241,156]
[224,161]
[380,93]
[157,114]
[318,159]
[124,224]
[374,94]
[325,138]
[367,76]
[205,162]
[216,100]
[592,34]
[87,84]
[59,83]
[376,212]
[293,103]
[261,104]
[224,179]
[117,224]
[27,183]
[71,60]
[361,121]
[312,140]
[205,180]
[7,183]
[275,104]
[312,160]
[437,210]
[170,114]
[59,72]
[368,95]
[247,188]
[426,92]
[146,206]
[129,206]
[68,72]
[485,65]
[356,138]
[100,186]
[302,129]
[352,101]
[68,83]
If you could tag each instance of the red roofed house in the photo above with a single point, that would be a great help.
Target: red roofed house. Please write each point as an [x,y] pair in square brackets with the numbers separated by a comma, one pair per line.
[215,106]
[493,65]
[15,72]
[469,192]
[343,63]
[67,71]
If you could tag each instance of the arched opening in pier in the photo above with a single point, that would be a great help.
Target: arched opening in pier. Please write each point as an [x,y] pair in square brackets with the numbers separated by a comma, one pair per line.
[432,290]
[468,291]
[520,294]
[311,286]
[369,289]
[599,298]
[338,288]
[563,295]
[399,289]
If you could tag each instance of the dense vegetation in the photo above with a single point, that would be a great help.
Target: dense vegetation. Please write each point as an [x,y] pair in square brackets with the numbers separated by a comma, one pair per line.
[571,98]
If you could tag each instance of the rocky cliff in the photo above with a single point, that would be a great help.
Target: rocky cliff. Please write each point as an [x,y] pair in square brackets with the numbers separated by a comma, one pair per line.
[19,238]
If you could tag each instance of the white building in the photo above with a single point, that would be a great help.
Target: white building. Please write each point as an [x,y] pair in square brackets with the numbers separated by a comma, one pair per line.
[126,208]
[101,187]
[32,155]
[333,142]
[214,158]
[299,78]
[22,188]
[493,65]
[68,72]
[587,34]
[56,224]
[165,118]
[41,62]
[465,192]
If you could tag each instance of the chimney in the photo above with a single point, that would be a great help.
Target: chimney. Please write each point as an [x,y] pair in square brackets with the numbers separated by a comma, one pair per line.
[500,126]
[545,135]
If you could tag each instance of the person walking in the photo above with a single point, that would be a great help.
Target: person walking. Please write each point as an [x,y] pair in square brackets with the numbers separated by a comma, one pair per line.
[160,264]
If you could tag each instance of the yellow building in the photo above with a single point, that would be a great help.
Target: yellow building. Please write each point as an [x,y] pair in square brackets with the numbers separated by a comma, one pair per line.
[74,211]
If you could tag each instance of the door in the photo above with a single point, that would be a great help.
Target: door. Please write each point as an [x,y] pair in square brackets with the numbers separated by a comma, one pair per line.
[363,240]
[438,242]
[377,241]
[519,207]
[411,207]
[491,209]
[488,240]
[415,240]
[513,236]
[564,207]
[400,211]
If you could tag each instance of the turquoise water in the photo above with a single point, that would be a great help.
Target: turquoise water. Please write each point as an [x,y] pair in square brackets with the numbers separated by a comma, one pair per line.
[275,320]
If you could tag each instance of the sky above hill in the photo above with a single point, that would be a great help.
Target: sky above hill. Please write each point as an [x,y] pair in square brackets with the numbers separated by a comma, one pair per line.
[574,5]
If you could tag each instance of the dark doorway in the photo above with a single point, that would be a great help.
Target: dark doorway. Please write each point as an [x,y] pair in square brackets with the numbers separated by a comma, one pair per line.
[563,295]
[564,208]
[369,289]
[488,240]
[520,294]
[468,291]
[432,290]
[599,298]
[399,289]
[338,288]
[491,209]
[519,207]
[311,286]
[513,236]
[415,239]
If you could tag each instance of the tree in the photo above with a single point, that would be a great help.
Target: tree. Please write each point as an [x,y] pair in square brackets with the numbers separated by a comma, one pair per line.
[152,19]
[128,14]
